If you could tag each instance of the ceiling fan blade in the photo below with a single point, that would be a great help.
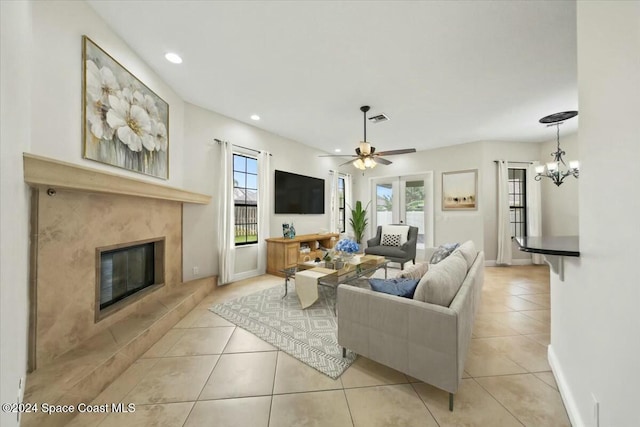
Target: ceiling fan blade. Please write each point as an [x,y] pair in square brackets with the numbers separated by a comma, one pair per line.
[346,163]
[381,161]
[337,155]
[394,152]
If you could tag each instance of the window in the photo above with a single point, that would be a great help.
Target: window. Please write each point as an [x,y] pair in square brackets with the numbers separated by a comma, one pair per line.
[518,202]
[341,205]
[245,195]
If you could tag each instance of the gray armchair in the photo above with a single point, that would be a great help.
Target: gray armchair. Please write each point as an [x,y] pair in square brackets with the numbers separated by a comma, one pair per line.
[401,254]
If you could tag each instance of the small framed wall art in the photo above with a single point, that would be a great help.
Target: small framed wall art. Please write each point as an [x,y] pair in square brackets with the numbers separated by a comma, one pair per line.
[460,190]
[124,123]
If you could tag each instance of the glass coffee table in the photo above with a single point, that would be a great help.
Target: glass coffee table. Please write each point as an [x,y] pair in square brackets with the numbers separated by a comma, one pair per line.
[350,274]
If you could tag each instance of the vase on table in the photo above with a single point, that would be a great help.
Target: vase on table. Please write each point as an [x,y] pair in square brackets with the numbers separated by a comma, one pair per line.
[347,256]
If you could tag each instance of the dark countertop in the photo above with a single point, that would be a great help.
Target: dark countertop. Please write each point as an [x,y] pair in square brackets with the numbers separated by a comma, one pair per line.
[550,245]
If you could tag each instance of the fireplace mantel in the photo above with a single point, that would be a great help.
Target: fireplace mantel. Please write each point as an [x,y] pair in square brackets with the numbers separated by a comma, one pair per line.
[47,173]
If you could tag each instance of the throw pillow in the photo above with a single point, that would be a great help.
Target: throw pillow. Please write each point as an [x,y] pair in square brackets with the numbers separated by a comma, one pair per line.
[442,252]
[414,271]
[399,287]
[468,251]
[402,230]
[443,280]
[390,240]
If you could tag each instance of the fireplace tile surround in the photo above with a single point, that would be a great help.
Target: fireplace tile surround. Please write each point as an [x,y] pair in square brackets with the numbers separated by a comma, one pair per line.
[71,225]
[86,210]
[74,211]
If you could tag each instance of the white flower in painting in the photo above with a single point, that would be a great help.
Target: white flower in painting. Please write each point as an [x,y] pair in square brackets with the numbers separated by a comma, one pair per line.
[136,97]
[97,117]
[100,83]
[159,132]
[131,123]
[149,142]
[150,107]
[133,97]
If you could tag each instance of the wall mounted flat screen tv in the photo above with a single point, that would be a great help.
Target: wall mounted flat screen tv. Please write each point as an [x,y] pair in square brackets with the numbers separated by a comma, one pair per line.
[298,194]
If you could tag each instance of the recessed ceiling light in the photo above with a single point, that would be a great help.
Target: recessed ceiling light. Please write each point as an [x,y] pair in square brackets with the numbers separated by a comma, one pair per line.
[255,117]
[173,57]
[337,150]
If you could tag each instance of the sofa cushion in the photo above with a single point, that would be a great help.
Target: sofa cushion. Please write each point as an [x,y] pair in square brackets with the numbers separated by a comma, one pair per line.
[414,271]
[402,230]
[468,251]
[399,287]
[442,281]
[390,240]
[442,252]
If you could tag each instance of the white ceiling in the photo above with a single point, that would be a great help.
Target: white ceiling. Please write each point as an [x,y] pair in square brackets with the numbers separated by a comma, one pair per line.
[446,72]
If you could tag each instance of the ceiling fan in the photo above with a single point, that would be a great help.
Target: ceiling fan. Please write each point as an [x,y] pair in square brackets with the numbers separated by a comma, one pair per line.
[366,156]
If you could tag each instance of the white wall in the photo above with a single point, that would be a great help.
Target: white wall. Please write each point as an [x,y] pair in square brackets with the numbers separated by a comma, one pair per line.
[57,133]
[595,321]
[560,204]
[201,174]
[480,225]
[15,89]
[58,27]
[443,159]
[41,113]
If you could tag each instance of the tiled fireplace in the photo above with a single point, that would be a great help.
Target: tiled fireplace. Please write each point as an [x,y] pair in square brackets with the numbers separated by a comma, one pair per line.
[81,218]
[71,228]
[105,278]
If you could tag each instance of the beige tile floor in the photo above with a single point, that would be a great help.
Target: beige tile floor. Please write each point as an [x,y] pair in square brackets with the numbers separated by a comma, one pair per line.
[207,372]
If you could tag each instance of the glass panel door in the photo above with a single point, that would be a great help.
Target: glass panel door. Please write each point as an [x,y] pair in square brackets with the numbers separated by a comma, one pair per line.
[384,203]
[406,200]
[413,206]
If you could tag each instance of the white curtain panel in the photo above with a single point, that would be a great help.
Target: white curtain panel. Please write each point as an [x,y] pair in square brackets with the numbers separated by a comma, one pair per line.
[226,216]
[504,255]
[348,201]
[333,203]
[264,208]
[534,209]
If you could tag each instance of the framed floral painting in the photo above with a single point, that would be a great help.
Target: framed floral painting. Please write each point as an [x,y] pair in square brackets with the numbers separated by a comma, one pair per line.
[125,124]
[460,190]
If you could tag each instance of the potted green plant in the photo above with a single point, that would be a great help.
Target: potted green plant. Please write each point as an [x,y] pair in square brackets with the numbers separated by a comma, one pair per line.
[359,221]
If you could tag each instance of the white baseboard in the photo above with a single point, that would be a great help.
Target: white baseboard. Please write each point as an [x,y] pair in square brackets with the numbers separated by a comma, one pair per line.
[565,390]
[492,262]
[246,275]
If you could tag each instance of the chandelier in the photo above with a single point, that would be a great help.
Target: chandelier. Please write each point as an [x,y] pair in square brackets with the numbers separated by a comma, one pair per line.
[552,169]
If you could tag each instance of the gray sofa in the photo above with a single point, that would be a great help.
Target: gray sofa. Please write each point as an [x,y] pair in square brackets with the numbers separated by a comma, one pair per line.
[426,341]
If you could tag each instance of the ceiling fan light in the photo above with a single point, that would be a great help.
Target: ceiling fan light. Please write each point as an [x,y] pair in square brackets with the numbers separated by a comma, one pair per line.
[369,163]
[365,148]
[359,164]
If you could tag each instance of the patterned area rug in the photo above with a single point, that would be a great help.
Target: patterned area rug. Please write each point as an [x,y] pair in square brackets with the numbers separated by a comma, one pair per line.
[309,335]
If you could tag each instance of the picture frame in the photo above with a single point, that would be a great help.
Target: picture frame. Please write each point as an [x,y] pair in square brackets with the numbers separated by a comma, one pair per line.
[124,123]
[460,190]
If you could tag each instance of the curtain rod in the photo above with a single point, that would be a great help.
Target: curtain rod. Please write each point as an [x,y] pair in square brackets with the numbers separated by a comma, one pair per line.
[342,173]
[240,146]
[511,161]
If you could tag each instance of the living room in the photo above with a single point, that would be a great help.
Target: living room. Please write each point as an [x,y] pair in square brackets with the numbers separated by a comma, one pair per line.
[41,115]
